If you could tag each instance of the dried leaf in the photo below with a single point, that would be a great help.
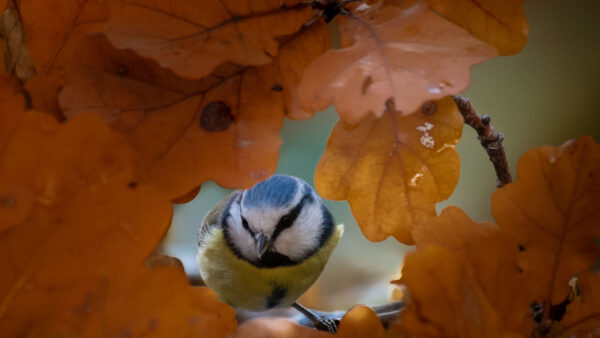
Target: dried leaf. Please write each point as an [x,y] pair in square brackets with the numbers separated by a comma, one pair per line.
[410,55]
[394,169]
[159,303]
[17,58]
[502,24]
[583,315]
[193,38]
[444,300]
[223,128]
[51,40]
[489,256]
[87,220]
[552,209]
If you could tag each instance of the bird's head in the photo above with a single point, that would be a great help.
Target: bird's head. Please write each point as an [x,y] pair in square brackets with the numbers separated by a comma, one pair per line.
[280,221]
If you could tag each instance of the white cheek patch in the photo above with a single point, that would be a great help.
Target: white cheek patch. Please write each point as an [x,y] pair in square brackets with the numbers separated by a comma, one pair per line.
[304,235]
[241,239]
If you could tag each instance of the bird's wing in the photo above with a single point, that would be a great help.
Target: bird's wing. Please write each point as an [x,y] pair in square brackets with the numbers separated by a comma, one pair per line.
[213,217]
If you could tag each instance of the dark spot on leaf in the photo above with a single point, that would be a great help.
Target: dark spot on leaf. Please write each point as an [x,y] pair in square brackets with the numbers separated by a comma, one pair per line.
[537,312]
[122,70]
[132,185]
[557,312]
[8,201]
[124,334]
[152,324]
[216,117]
[193,320]
[28,100]
[521,248]
[86,306]
[429,108]
[366,84]
[276,87]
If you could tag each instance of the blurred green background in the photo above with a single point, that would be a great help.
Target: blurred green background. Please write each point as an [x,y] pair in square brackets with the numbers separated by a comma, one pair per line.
[547,94]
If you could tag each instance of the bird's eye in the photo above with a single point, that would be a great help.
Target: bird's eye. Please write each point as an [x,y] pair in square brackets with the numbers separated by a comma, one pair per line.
[246,226]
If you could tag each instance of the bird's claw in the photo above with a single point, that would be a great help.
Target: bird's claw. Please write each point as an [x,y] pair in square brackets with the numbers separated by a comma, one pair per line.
[325,324]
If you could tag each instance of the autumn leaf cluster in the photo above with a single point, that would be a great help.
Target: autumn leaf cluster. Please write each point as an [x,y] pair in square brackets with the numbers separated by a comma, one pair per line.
[112,110]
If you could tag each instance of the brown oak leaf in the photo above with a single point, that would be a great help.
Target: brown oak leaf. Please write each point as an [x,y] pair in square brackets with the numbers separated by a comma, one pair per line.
[410,55]
[552,210]
[158,303]
[73,265]
[84,218]
[500,23]
[444,300]
[193,38]
[393,170]
[222,128]
[52,28]
[490,257]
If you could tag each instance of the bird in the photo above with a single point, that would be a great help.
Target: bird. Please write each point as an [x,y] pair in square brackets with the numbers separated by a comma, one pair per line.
[263,247]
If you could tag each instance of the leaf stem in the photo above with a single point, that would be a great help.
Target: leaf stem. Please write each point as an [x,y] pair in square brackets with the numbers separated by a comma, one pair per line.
[491,140]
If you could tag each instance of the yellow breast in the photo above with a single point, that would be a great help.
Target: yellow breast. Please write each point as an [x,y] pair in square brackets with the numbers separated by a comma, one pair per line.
[244,285]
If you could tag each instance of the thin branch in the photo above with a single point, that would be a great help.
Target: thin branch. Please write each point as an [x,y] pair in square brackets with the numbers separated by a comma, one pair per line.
[490,139]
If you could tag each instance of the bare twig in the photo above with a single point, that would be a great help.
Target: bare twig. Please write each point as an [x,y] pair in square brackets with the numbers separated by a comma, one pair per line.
[490,139]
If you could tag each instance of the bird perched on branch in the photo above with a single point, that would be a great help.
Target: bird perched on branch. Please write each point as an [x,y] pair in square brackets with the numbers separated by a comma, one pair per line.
[263,247]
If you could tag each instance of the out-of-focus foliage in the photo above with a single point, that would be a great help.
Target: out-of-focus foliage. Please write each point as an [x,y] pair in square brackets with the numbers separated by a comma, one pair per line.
[138,103]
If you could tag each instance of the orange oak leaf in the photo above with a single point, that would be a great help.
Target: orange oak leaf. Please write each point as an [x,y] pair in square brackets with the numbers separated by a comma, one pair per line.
[552,210]
[502,24]
[490,257]
[393,170]
[444,301]
[193,38]
[52,28]
[410,55]
[222,128]
[358,322]
[583,315]
[3,5]
[158,303]
[88,220]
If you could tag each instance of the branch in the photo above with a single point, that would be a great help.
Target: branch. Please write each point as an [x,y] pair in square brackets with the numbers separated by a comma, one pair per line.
[490,139]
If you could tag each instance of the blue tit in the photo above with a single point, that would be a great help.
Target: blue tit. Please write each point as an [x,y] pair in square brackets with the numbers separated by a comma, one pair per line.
[262,248]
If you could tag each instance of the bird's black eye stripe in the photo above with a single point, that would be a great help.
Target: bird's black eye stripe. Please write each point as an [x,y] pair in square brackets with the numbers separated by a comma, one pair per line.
[246,226]
[288,219]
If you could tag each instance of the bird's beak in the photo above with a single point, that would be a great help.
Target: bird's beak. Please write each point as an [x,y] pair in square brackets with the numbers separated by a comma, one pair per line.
[262,244]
